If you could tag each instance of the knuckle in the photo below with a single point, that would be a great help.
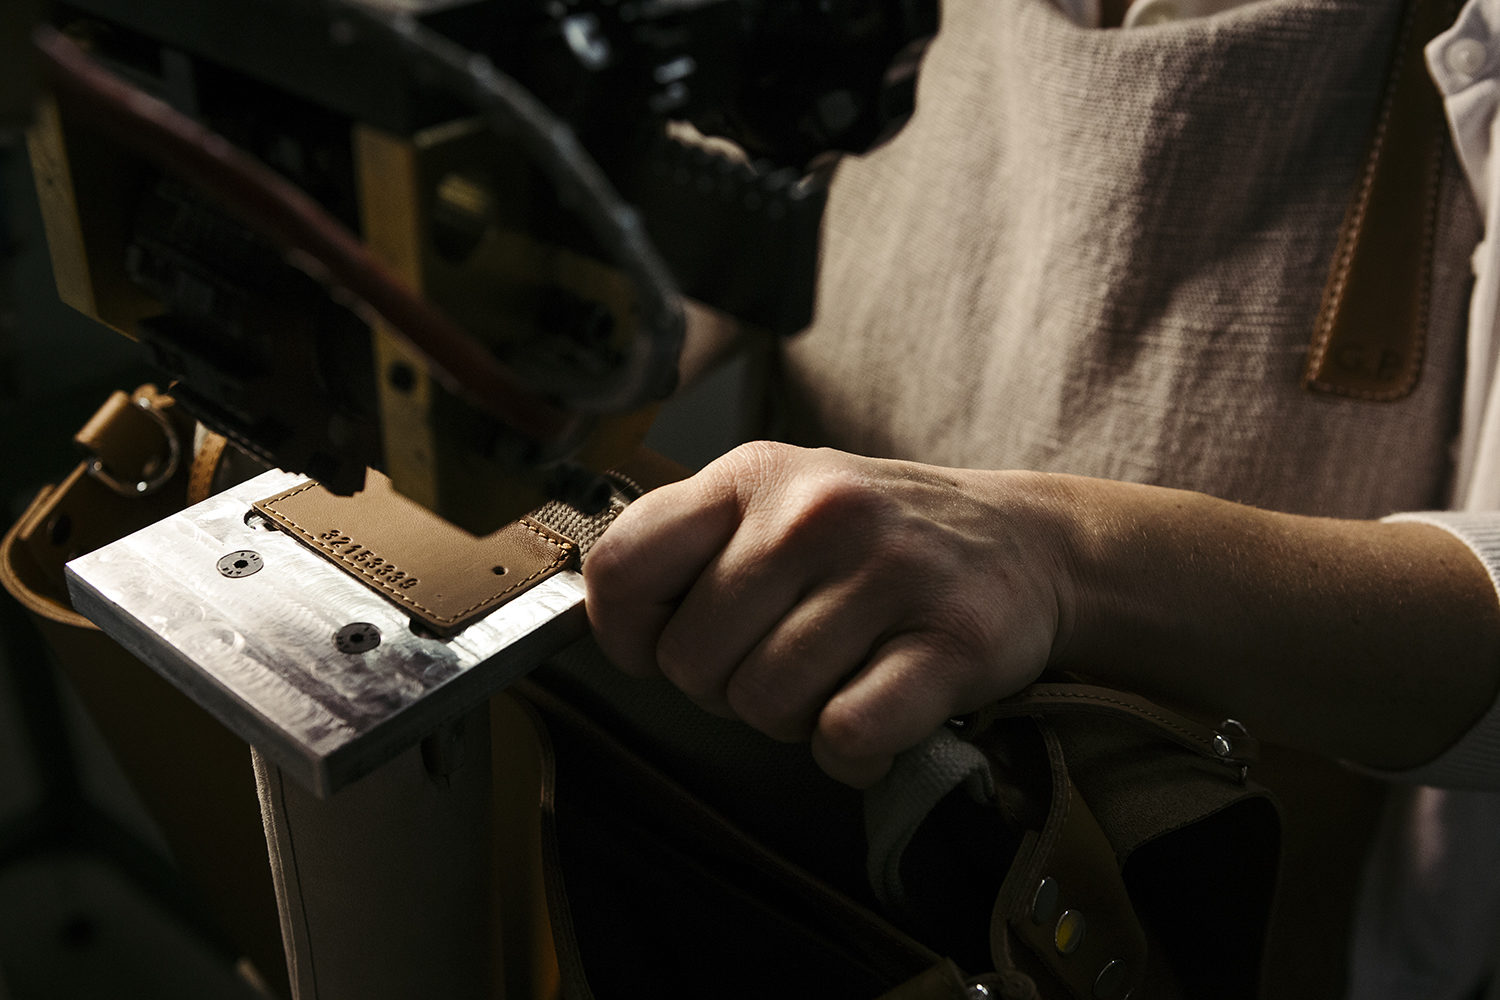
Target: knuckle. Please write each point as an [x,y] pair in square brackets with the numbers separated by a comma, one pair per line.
[606,570]
[848,731]
[753,462]
[832,501]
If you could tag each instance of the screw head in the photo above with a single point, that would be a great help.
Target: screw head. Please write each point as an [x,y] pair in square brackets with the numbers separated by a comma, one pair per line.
[241,563]
[357,637]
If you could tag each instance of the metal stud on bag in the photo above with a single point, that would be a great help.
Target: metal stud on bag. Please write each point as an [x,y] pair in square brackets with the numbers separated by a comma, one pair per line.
[1229,736]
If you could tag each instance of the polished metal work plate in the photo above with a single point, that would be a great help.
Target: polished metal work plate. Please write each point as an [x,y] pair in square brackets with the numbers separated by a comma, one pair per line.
[322,674]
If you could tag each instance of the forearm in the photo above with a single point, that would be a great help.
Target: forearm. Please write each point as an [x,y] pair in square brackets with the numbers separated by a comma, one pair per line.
[858,604]
[1368,641]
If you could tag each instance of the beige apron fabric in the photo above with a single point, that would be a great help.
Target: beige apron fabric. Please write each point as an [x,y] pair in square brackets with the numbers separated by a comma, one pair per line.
[1102,252]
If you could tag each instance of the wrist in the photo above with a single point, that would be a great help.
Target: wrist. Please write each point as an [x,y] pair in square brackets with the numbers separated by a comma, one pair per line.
[1063,520]
[1157,577]
[1367,641]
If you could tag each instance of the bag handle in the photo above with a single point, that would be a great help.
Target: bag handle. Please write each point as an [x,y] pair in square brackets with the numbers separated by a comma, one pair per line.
[1227,743]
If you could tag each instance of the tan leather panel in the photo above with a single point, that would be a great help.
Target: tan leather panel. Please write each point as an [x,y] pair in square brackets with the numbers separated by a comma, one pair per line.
[1371,330]
[443,575]
[1081,863]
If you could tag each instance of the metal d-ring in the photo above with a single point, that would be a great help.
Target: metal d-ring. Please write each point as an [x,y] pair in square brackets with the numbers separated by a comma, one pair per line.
[144,487]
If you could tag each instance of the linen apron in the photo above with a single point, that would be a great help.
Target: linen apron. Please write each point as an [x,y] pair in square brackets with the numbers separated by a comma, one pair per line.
[1102,252]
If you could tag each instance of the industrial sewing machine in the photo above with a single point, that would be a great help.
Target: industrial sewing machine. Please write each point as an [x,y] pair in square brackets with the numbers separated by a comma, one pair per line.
[447,240]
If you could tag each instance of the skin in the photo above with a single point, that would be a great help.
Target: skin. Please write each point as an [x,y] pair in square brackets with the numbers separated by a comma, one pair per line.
[857,604]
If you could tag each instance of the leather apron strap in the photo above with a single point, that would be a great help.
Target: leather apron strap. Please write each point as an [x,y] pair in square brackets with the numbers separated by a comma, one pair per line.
[1371,330]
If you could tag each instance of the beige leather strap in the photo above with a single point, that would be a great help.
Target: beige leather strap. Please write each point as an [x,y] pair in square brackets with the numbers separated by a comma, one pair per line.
[1065,900]
[1227,743]
[941,982]
[131,441]
[135,445]
[1371,329]
[207,456]
[191,773]
[441,574]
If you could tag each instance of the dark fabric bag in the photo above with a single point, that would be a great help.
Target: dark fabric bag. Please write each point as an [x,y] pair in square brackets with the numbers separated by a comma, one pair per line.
[1124,853]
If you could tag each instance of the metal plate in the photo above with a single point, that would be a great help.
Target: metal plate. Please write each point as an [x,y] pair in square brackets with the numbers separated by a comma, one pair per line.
[261,651]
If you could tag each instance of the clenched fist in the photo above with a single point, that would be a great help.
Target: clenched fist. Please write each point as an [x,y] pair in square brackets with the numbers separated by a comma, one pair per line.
[851,602]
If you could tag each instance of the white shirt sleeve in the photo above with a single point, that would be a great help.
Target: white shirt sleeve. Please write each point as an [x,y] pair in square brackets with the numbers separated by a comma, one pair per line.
[1474,761]
[1464,62]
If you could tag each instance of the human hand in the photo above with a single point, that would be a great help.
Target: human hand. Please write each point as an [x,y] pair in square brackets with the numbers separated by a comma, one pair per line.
[851,602]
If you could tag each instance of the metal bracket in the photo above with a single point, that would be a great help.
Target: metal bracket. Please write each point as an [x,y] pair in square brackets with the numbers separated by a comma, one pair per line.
[262,651]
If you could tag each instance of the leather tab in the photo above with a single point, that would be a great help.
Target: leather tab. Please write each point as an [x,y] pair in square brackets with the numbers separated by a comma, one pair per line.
[1064,899]
[941,982]
[444,576]
[87,509]
[1229,744]
[1084,930]
[1371,329]
[133,442]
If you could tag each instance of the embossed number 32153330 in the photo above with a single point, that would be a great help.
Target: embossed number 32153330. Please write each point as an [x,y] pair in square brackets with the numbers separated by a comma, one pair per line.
[372,565]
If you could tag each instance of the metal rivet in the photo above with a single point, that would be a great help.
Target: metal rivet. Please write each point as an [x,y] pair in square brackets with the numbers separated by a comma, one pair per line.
[241,563]
[1466,57]
[1044,901]
[1112,981]
[1225,736]
[357,637]
[1068,935]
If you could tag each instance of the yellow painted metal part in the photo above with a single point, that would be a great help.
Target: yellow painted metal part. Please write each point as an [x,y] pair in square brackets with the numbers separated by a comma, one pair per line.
[392,220]
[449,210]
[86,187]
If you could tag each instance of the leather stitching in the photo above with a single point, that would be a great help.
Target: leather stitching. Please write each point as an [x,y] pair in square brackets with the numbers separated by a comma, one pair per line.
[564,552]
[1349,236]
[1349,233]
[1135,709]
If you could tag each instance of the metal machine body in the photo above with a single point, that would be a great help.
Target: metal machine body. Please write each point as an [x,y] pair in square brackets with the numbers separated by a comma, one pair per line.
[321,674]
[446,239]
[518,169]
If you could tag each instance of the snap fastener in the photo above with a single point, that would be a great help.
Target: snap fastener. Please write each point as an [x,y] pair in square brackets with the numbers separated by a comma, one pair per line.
[1111,982]
[1466,57]
[1068,935]
[1044,901]
[241,563]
